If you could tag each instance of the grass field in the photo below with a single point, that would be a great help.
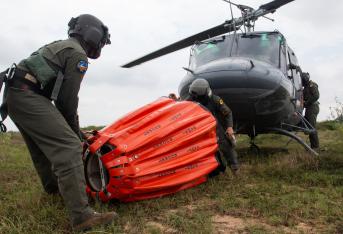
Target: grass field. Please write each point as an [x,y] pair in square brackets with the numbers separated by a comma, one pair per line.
[281,190]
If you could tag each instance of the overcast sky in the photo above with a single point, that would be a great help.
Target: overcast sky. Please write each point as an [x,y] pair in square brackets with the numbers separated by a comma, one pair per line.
[313,29]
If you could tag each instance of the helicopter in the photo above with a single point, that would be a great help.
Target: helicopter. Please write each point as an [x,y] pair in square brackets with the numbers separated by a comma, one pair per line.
[255,72]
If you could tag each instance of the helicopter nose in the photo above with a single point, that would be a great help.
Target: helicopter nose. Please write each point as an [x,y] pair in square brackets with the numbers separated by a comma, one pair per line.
[250,87]
[226,64]
[241,77]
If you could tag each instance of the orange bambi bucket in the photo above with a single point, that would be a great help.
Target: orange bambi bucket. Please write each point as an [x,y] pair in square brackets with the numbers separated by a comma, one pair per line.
[162,148]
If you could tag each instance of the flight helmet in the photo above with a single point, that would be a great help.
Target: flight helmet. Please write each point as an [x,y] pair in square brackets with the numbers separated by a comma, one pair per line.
[91,32]
[305,78]
[200,87]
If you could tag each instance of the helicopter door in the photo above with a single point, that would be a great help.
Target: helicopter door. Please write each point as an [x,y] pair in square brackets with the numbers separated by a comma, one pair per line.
[296,79]
[283,58]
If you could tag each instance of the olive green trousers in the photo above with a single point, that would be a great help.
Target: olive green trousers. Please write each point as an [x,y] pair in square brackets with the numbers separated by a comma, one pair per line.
[55,149]
[311,113]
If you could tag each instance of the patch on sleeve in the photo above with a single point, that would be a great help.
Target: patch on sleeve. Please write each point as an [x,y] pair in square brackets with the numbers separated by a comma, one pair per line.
[82,66]
[221,102]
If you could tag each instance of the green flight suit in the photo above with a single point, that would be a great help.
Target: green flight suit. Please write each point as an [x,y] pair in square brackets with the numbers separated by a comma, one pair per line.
[311,104]
[223,115]
[52,132]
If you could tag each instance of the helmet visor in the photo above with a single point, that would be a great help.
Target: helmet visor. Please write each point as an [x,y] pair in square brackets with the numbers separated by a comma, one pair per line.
[106,38]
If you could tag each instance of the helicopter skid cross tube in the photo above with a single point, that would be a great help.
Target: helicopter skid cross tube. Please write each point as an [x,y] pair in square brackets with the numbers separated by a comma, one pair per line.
[295,137]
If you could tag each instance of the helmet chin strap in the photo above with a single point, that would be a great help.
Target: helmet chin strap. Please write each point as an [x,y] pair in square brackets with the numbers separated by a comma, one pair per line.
[209,92]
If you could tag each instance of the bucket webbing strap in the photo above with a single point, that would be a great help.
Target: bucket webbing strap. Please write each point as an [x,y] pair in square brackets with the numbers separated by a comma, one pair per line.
[3,106]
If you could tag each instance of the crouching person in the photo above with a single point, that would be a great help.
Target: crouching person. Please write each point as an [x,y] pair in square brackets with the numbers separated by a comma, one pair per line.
[200,91]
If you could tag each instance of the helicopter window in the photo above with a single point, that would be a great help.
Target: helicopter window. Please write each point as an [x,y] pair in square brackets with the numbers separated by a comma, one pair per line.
[283,58]
[206,52]
[262,46]
[289,71]
[295,74]
[206,47]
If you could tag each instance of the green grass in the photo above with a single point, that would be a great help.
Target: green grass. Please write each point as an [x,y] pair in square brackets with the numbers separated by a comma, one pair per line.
[281,190]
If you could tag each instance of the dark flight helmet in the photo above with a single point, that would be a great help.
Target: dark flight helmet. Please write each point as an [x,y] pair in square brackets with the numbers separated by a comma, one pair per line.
[92,33]
[200,87]
[305,78]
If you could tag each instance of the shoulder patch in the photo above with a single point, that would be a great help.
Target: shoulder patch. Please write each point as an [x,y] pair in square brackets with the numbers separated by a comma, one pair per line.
[82,66]
[221,102]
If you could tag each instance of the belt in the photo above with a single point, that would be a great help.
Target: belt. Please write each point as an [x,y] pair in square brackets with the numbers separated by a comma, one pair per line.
[24,75]
[24,80]
[31,78]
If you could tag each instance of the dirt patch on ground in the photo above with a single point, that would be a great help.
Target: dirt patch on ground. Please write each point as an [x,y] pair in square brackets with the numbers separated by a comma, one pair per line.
[227,224]
[230,224]
[160,227]
[306,228]
[189,208]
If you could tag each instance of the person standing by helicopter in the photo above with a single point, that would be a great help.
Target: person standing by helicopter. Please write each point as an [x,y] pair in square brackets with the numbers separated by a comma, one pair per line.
[200,91]
[52,133]
[311,104]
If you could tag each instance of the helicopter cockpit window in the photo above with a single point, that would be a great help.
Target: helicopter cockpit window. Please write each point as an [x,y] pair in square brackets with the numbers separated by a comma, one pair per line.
[283,55]
[208,51]
[294,72]
[260,46]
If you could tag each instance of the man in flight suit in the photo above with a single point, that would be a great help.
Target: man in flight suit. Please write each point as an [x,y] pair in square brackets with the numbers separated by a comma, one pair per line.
[311,104]
[201,92]
[54,73]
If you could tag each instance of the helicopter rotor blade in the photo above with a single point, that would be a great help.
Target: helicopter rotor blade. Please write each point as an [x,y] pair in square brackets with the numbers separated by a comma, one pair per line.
[226,27]
[212,32]
[273,5]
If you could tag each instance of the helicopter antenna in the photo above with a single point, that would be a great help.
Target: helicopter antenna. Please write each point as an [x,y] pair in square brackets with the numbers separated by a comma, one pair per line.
[232,19]
[234,24]
[230,8]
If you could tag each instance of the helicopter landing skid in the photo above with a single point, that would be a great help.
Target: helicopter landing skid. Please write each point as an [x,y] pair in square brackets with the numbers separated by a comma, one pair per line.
[295,137]
[254,148]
